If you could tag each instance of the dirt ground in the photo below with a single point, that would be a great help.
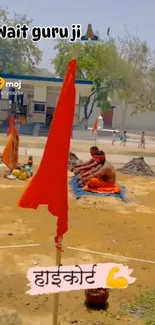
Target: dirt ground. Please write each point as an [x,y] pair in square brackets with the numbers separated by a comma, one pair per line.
[105,225]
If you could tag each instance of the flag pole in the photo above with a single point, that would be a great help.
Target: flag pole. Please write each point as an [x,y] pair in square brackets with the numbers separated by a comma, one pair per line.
[56,295]
[95,137]
[58,260]
[12,157]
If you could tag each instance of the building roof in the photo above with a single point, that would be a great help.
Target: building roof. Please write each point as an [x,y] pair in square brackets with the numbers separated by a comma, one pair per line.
[46,79]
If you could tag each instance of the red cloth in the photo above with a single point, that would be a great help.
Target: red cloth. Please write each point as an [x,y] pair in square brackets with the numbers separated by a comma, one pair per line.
[11,126]
[50,184]
[95,126]
[93,152]
[100,158]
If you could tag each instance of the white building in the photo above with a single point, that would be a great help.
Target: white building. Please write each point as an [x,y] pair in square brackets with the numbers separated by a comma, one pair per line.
[39,96]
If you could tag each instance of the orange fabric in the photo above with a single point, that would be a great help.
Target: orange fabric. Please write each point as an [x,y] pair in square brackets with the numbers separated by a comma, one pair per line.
[96,185]
[23,120]
[10,153]
[6,155]
[49,186]
[11,126]
[95,126]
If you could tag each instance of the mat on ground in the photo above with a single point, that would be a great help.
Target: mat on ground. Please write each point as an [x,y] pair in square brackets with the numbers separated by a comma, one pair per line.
[78,191]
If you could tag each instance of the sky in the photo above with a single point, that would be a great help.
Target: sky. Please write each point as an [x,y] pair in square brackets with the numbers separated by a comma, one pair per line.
[137,15]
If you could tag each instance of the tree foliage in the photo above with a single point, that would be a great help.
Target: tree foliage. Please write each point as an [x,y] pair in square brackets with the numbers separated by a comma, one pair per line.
[124,65]
[137,66]
[96,62]
[93,59]
[18,55]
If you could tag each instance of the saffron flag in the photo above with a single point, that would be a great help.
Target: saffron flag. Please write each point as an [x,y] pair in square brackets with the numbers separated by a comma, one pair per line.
[49,186]
[10,153]
[95,126]
[11,126]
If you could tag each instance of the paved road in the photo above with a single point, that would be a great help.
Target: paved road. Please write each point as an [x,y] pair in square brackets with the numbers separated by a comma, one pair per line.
[88,135]
[130,142]
[113,158]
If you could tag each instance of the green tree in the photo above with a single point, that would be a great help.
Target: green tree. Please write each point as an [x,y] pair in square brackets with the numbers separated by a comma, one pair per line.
[135,86]
[18,55]
[96,62]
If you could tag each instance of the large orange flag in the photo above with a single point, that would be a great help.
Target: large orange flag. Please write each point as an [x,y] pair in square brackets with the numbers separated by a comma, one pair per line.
[10,153]
[11,126]
[95,126]
[49,186]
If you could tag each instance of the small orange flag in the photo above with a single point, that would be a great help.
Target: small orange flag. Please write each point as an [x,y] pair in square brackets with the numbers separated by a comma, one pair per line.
[95,126]
[11,126]
[49,186]
[10,153]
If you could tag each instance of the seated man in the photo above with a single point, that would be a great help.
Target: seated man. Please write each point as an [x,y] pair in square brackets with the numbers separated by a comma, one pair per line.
[101,178]
[84,166]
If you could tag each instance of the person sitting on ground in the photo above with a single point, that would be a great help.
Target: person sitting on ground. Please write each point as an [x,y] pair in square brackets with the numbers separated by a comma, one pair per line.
[142,141]
[101,178]
[84,166]
[28,166]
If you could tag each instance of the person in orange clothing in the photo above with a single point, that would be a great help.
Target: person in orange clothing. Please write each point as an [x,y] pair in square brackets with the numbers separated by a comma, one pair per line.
[101,178]
[85,166]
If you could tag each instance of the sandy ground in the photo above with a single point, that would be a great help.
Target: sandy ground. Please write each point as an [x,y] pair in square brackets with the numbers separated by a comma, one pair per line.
[83,146]
[102,224]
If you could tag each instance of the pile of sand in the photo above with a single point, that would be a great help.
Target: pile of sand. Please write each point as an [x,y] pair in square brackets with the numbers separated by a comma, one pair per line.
[72,161]
[138,167]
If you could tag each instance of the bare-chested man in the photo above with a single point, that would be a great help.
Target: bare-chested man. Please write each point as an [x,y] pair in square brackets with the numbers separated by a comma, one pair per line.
[100,178]
[85,166]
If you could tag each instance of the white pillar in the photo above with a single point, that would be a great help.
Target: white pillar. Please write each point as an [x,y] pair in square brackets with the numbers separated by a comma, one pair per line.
[100,123]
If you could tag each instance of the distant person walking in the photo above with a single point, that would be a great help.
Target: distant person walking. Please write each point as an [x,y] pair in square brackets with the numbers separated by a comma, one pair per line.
[142,141]
[113,138]
[123,143]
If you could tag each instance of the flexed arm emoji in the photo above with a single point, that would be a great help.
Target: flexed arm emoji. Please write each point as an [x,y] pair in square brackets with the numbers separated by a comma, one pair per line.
[118,283]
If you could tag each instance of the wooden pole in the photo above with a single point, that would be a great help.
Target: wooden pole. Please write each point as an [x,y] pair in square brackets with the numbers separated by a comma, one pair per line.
[95,137]
[58,262]
[12,157]
[74,56]
[56,295]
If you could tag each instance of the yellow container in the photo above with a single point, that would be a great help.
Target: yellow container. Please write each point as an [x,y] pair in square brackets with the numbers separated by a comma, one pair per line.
[22,176]
[16,172]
